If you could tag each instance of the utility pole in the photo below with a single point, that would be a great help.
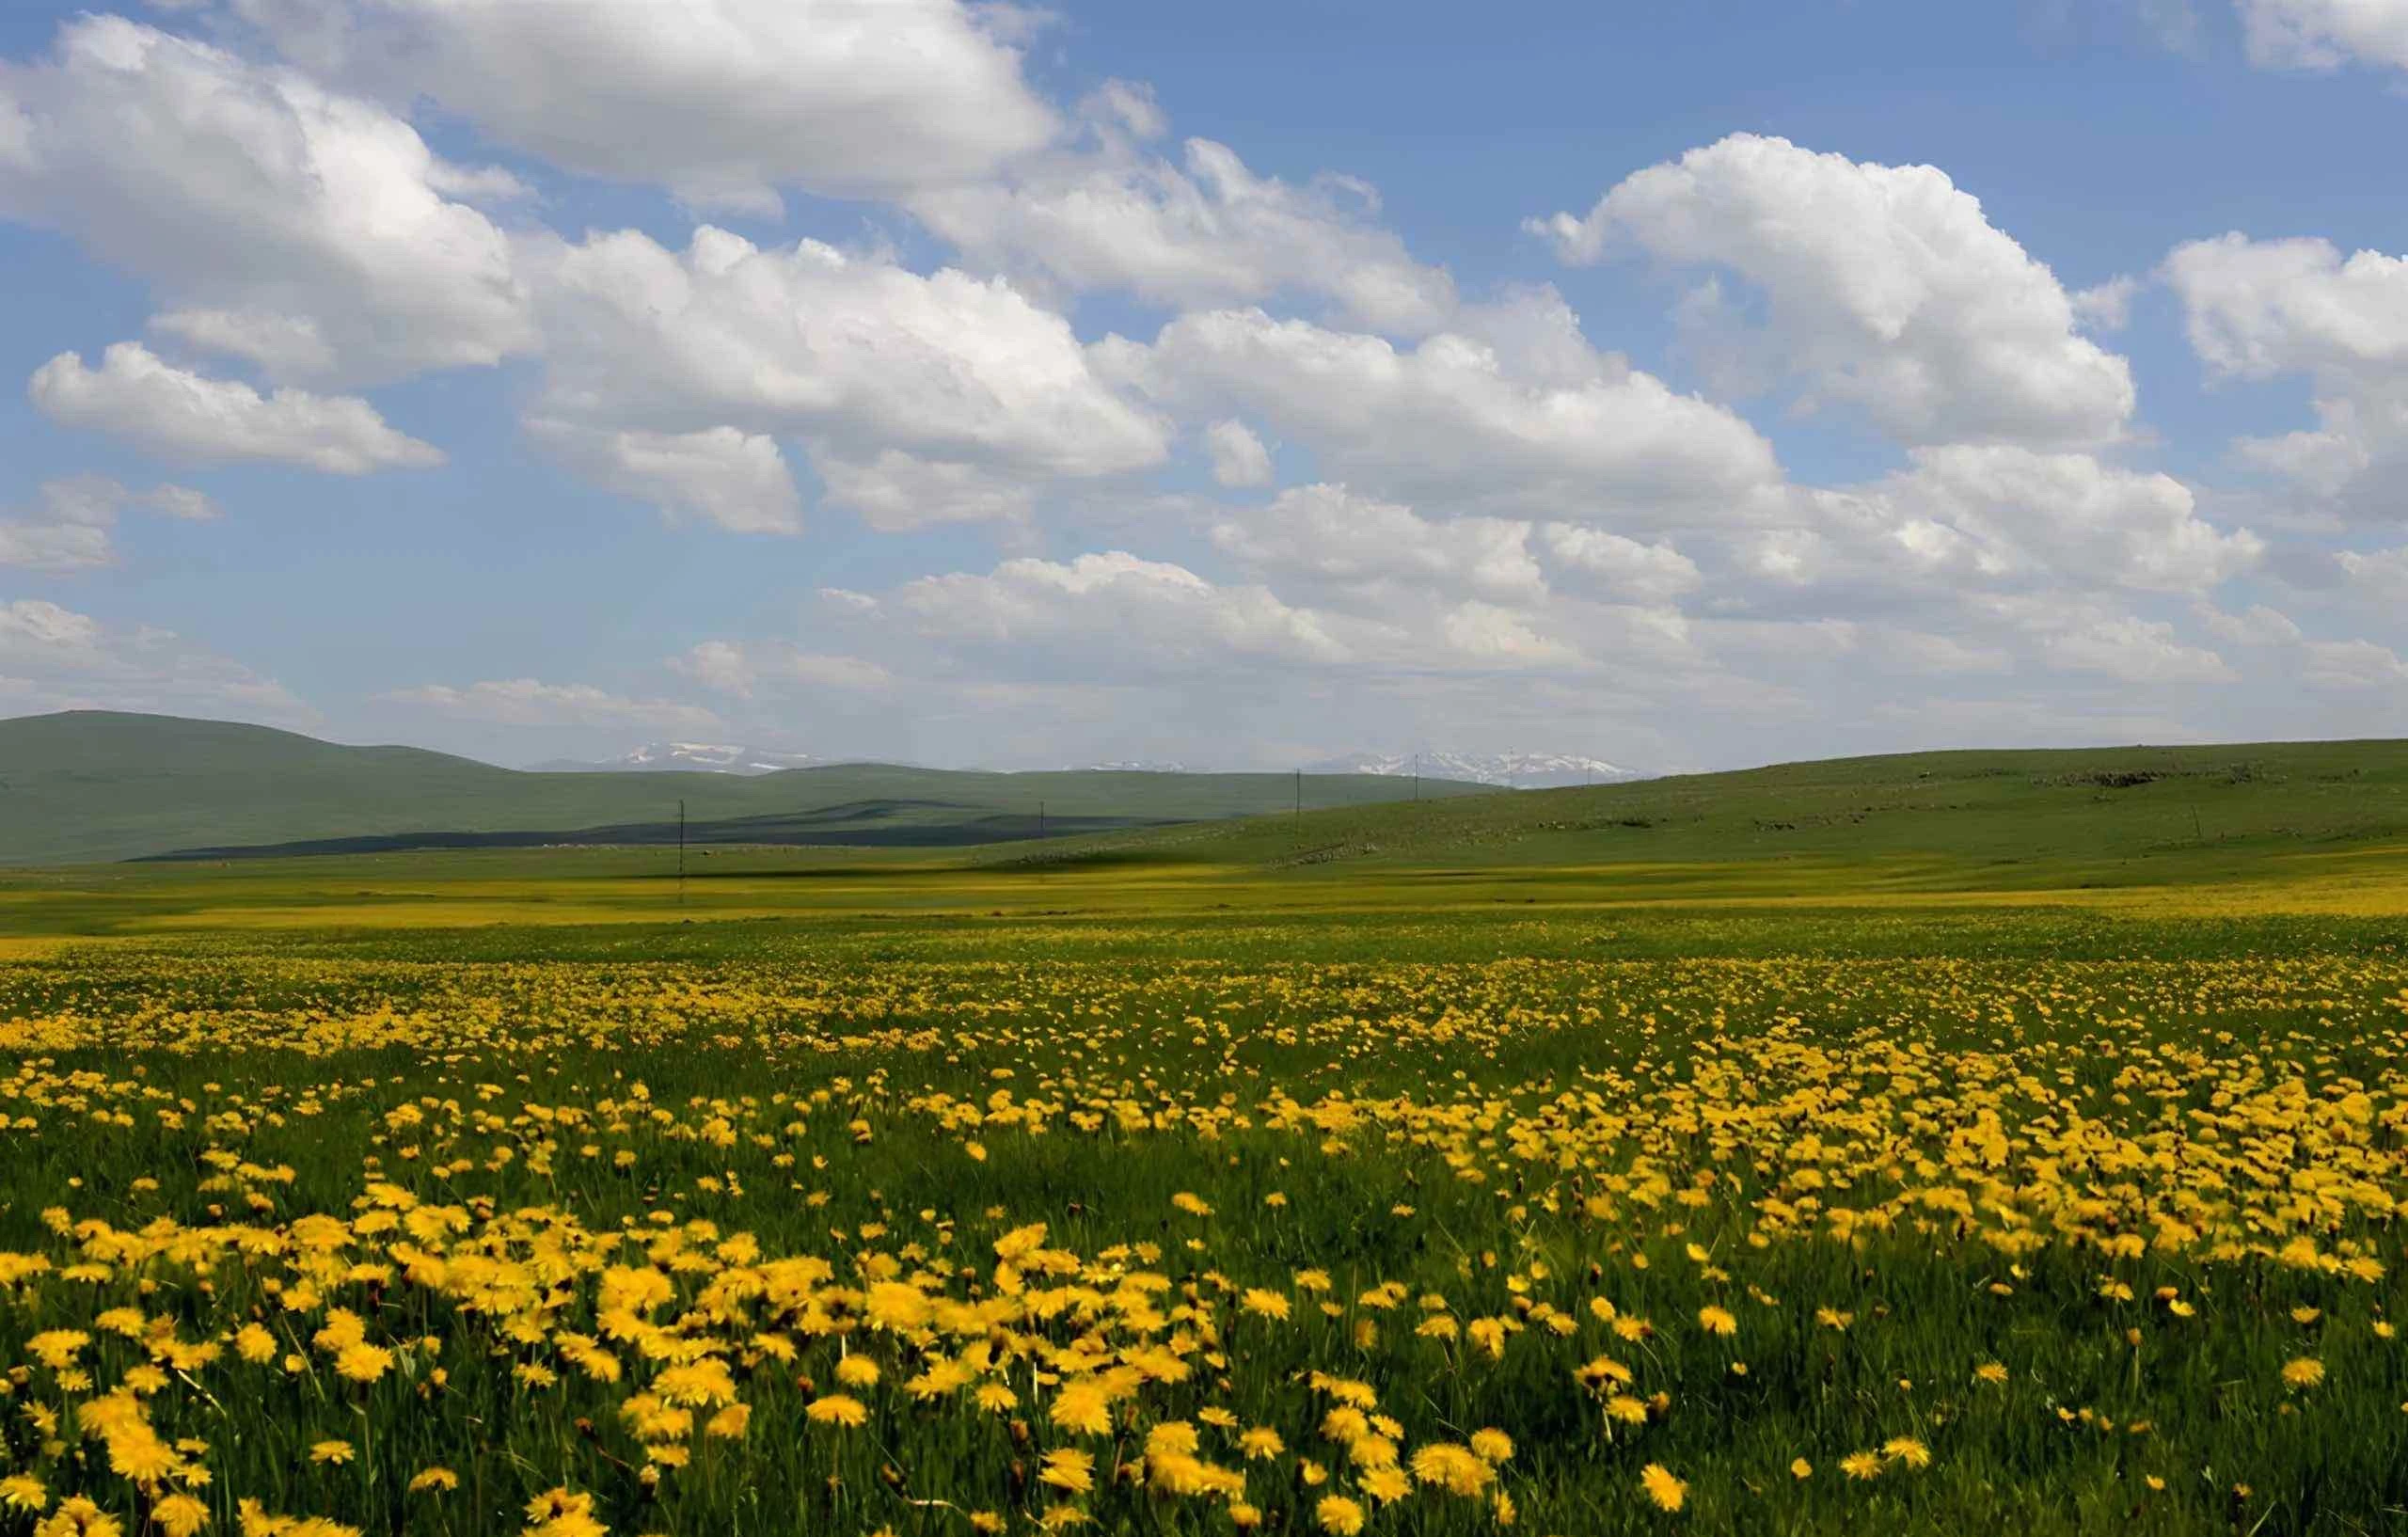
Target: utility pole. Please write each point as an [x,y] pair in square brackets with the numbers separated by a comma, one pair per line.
[1417,776]
[1300,794]
[681,853]
[1040,818]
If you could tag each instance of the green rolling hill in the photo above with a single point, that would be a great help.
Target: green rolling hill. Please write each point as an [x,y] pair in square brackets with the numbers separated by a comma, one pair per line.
[1946,820]
[88,785]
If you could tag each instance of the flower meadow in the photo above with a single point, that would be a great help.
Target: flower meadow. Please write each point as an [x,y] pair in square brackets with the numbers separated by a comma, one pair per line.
[1144,1233]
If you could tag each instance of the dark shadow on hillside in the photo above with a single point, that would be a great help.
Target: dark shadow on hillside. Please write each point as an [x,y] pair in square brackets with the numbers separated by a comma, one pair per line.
[859,824]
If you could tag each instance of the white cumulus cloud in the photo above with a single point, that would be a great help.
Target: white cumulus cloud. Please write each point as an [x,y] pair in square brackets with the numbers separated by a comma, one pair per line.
[964,379]
[1202,231]
[1117,613]
[1238,458]
[55,659]
[173,412]
[2260,308]
[724,102]
[302,230]
[734,478]
[66,525]
[746,669]
[1461,422]
[2326,34]
[1328,535]
[1884,287]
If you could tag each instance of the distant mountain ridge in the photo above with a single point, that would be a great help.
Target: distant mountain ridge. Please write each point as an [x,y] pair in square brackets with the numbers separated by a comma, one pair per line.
[700,757]
[85,785]
[1509,771]
[1512,770]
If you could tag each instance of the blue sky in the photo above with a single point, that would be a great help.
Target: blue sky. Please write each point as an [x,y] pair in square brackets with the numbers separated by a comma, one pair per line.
[1929,477]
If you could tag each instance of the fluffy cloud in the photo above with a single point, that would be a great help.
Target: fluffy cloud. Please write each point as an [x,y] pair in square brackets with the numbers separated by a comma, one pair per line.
[1464,421]
[1987,517]
[167,410]
[1115,612]
[1619,567]
[724,102]
[44,542]
[2129,649]
[67,525]
[855,356]
[735,480]
[2258,309]
[1486,632]
[525,701]
[744,670]
[2108,306]
[1238,458]
[895,491]
[2327,664]
[2353,664]
[1203,233]
[1884,287]
[1328,535]
[2381,574]
[54,658]
[2325,34]
[306,231]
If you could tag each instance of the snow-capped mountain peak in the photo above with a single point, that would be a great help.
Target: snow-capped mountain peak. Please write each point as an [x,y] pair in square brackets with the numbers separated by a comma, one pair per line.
[1517,770]
[703,757]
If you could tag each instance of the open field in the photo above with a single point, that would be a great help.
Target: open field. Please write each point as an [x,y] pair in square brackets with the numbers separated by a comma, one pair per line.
[1925,1145]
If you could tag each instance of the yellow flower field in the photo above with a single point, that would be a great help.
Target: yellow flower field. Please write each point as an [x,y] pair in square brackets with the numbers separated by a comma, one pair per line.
[1154,1236]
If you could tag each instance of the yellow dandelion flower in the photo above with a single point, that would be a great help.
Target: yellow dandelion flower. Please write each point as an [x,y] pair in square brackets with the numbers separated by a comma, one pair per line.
[179,1516]
[1264,1302]
[1454,1468]
[1668,1492]
[23,1492]
[1386,1485]
[1068,1470]
[837,1409]
[1339,1515]
[995,1398]
[1907,1450]
[1082,1408]
[857,1371]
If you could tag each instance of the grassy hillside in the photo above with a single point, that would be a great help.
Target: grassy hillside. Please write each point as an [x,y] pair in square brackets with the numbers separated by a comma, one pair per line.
[2316,831]
[2098,816]
[91,785]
